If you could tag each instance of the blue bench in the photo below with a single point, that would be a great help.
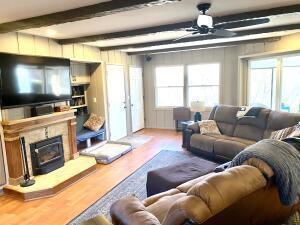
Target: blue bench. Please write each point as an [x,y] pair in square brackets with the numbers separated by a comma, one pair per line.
[85,135]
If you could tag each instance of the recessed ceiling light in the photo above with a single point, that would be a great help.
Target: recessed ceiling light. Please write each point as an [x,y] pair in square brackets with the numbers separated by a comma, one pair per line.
[51,32]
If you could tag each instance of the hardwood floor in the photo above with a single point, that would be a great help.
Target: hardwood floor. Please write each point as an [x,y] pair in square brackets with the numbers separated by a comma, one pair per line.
[66,205]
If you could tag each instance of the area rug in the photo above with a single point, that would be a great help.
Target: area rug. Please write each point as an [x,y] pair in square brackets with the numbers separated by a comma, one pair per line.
[134,184]
[136,140]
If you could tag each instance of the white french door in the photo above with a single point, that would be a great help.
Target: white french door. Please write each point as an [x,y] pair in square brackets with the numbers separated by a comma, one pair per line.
[136,98]
[115,79]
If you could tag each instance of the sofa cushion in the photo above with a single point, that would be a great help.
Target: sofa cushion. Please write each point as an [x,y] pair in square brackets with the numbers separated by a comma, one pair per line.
[279,120]
[229,148]
[208,127]
[203,142]
[252,128]
[237,139]
[160,208]
[225,116]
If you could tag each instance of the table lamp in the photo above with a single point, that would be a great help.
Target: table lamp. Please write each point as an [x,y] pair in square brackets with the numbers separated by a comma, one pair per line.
[197,107]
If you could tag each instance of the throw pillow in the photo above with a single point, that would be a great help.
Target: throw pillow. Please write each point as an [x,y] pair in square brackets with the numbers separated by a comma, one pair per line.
[296,132]
[248,111]
[281,134]
[94,123]
[208,127]
[254,112]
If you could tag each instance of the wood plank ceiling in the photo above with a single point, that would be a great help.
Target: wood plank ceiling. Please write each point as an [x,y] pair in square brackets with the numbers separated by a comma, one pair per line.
[283,18]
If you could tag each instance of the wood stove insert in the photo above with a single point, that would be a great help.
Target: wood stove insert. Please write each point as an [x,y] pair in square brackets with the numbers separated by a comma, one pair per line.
[47,155]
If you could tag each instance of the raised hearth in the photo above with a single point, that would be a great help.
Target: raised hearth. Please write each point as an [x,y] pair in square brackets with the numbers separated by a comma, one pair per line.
[34,130]
[52,183]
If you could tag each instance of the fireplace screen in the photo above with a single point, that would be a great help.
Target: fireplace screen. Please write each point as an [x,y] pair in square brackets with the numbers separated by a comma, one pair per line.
[47,155]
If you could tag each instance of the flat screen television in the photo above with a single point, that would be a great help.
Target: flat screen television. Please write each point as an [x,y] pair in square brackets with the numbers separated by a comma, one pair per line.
[29,80]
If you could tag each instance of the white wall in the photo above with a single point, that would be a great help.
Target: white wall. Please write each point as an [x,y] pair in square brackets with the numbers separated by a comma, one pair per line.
[230,77]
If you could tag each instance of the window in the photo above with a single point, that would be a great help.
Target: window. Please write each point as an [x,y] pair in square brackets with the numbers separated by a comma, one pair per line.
[290,84]
[169,85]
[204,83]
[262,80]
[275,83]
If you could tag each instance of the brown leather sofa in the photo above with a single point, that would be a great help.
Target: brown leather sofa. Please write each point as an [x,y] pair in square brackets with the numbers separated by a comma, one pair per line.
[243,195]
[237,134]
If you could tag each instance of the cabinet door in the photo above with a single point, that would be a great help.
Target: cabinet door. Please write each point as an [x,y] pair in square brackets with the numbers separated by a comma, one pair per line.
[80,73]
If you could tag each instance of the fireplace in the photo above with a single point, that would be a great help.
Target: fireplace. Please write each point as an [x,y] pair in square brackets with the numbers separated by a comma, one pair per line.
[47,155]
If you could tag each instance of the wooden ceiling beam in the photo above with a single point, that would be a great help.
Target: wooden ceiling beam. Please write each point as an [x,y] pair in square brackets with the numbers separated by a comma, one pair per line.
[197,47]
[204,37]
[259,13]
[129,33]
[82,13]
[183,25]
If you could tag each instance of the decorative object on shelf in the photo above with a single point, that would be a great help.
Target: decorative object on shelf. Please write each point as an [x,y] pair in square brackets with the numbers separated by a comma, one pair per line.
[41,110]
[79,100]
[197,107]
[27,181]
[61,108]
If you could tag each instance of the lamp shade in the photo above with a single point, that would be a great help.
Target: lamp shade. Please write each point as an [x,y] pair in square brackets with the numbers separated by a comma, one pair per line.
[197,106]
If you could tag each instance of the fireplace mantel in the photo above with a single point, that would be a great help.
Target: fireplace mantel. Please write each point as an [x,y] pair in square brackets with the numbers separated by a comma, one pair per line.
[14,129]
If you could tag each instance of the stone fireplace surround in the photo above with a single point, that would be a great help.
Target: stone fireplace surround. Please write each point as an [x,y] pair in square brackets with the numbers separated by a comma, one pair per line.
[36,129]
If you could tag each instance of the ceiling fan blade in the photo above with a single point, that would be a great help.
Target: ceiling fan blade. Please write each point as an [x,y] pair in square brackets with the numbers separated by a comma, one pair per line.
[185,36]
[242,23]
[191,30]
[222,33]
[194,24]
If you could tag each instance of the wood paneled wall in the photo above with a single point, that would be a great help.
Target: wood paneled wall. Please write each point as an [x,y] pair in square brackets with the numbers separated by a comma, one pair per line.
[18,43]
[228,58]
[25,44]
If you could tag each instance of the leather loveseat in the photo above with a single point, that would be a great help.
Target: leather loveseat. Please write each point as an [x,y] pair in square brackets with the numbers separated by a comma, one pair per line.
[243,195]
[236,134]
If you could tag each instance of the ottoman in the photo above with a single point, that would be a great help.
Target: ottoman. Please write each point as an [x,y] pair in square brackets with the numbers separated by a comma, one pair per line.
[169,177]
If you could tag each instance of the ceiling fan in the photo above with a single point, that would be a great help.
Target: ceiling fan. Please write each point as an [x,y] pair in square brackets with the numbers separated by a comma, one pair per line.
[205,25]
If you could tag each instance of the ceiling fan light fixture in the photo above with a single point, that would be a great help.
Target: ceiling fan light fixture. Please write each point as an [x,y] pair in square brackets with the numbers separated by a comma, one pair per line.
[205,20]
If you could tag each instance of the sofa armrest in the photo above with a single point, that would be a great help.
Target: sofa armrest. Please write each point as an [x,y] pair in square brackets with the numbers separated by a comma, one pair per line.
[194,127]
[226,188]
[187,134]
[214,194]
[130,211]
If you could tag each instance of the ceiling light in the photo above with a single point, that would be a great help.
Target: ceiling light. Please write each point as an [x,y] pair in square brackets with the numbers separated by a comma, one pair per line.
[204,20]
[51,32]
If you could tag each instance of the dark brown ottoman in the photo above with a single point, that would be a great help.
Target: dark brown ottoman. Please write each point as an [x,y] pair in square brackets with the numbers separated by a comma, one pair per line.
[169,177]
